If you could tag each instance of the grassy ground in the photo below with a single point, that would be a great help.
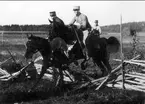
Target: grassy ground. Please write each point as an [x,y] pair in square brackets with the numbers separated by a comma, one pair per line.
[46,94]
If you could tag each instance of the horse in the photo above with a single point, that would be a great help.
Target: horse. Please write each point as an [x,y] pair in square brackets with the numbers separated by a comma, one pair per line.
[99,49]
[52,54]
[71,36]
[35,44]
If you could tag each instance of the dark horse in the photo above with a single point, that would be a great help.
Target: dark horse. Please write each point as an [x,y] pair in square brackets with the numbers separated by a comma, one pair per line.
[35,44]
[71,36]
[52,53]
[99,48]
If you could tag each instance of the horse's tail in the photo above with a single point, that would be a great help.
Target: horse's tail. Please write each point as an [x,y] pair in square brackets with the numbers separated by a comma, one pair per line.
[113,44]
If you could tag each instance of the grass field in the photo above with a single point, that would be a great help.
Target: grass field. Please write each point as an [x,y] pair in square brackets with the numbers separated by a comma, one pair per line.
[16,42]
[17,92]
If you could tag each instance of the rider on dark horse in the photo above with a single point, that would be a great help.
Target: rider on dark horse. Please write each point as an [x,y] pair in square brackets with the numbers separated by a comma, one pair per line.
[67,33]
[83,24]
[61,30]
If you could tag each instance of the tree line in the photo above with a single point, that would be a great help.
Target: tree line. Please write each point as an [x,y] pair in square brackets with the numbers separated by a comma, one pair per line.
[138,26]
[24,27]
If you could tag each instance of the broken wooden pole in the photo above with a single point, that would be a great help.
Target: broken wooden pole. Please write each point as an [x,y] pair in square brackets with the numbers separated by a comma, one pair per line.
[5,61]
[113,71]
[67,75]
[131,62]
[14,75]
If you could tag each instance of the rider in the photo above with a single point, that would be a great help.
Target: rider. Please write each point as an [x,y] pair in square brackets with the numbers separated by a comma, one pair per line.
[97,27]
[59,31]
[82,23]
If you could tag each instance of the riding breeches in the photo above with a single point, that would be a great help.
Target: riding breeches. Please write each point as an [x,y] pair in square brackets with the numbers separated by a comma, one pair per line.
[85,33]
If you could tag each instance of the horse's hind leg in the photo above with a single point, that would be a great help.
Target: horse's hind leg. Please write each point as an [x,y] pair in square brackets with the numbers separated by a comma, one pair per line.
[38,80]
[100,65]
[107,64]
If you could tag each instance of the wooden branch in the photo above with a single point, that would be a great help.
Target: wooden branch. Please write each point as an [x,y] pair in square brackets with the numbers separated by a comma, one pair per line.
[5,61]
[139,74]
[5,76]
[135,76]
[97,81]
[135,82]
[3,72]
[140,80]
[14,75]
[136,57]
[106,79]
[11,55]
[67,75]
[127,86]
[136,86]
[138,61]
[131,62]
[119,79]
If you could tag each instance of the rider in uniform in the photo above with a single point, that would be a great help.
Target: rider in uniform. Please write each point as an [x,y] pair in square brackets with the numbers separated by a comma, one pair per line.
[97,27]
[59,31]
[55,18]
[82,23]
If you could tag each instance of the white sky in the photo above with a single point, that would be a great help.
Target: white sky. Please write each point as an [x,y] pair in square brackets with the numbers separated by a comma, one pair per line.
[37,12]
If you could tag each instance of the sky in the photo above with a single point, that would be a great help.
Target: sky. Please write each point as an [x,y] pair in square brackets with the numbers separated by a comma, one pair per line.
[37,12]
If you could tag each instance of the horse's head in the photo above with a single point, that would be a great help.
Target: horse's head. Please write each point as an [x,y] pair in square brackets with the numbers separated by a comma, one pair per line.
[34,44]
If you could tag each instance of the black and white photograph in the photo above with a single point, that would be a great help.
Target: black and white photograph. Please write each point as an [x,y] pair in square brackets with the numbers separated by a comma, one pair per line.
[72,52]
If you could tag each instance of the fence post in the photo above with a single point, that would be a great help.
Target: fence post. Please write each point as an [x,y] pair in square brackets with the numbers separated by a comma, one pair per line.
[121,53]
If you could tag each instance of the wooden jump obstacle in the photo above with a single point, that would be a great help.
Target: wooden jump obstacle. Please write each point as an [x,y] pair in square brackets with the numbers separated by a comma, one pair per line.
[132,80]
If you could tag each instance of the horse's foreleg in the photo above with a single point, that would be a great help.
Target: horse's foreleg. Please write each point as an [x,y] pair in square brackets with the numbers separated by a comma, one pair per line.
[61,82]
[43,70]
[38,80]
